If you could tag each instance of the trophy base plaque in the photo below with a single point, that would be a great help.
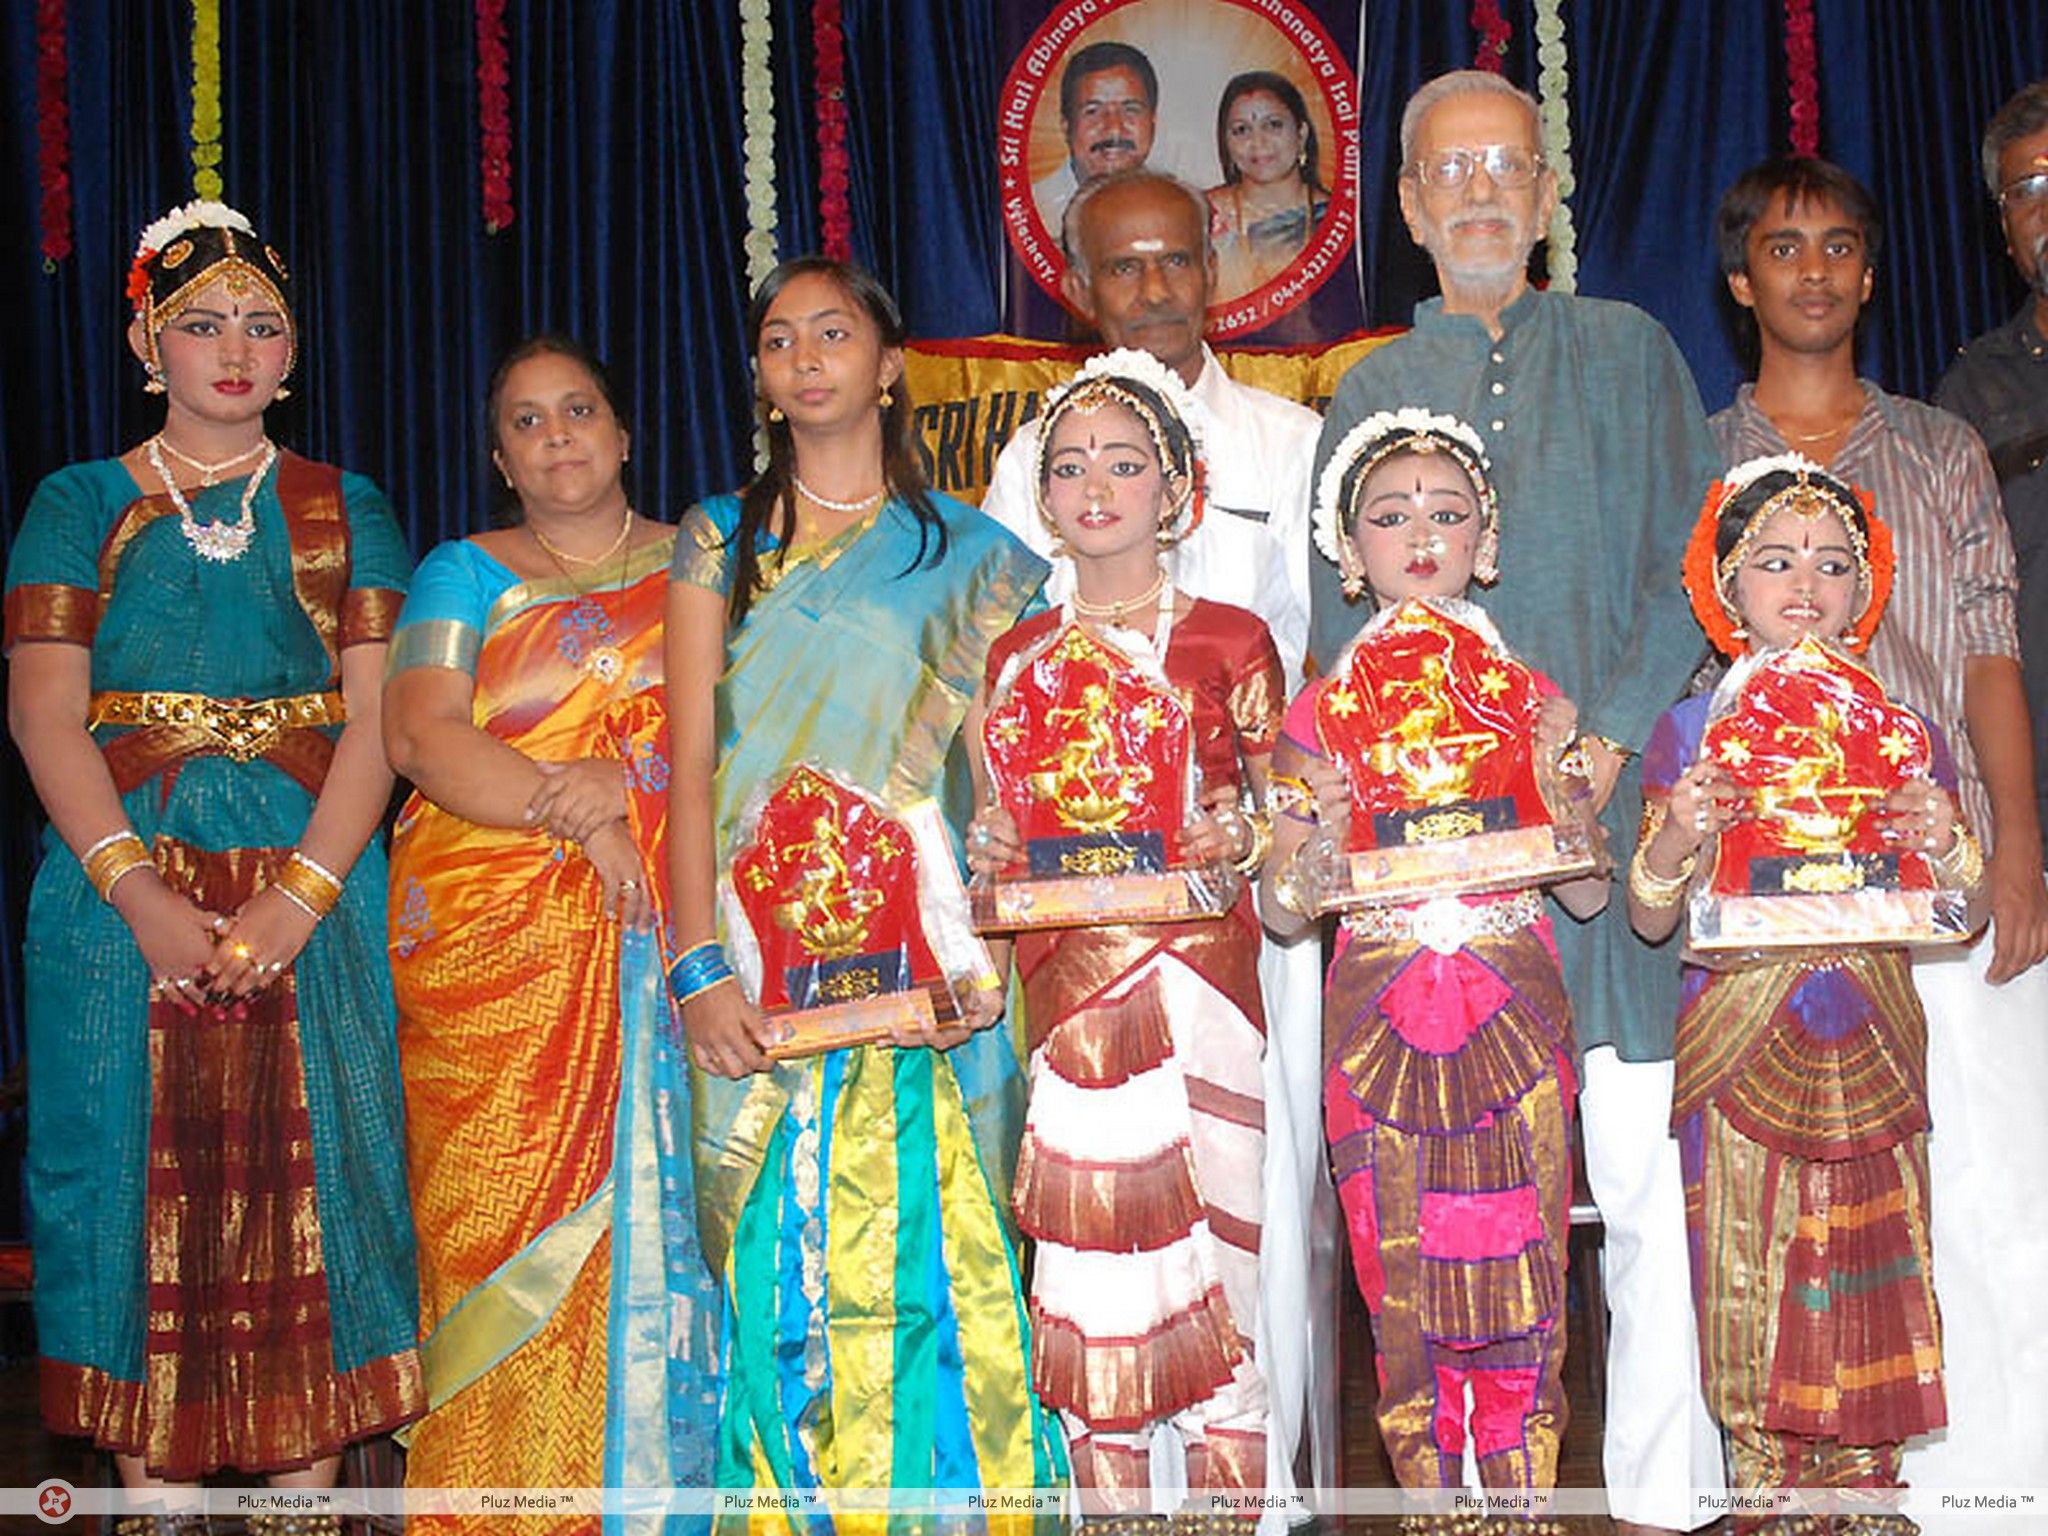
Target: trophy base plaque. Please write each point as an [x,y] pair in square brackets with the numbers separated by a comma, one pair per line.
[1724,926]
[1004,905]
[1510,859]
[860,1021]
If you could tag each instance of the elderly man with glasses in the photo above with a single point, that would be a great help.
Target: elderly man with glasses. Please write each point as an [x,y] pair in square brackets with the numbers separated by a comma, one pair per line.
[2000,385]
[1602,455]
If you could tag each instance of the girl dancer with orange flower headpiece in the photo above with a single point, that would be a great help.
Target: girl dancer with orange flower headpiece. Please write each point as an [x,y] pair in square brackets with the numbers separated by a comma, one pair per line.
[1801,1104]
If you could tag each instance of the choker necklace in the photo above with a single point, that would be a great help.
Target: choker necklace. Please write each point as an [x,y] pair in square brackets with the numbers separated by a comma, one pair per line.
[561,556]
[208,472]
[1114,612]
[830,505]
[222,541]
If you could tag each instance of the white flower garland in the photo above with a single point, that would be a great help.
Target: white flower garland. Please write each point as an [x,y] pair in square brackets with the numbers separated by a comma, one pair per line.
[757,101]
[1749,471]
[200,213]
[1553,92]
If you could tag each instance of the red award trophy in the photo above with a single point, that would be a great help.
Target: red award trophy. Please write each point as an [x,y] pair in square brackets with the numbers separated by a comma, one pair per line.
[1093,754]
[1815,744]
[847,922]
[1433,723]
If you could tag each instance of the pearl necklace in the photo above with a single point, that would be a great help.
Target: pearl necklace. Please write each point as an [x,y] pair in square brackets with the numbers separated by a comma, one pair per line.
[842,507]
[1115,611]
[562,555]
[221,541]
[208,472]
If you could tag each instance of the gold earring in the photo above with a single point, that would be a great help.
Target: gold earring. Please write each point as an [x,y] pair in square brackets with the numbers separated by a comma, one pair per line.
[153,381]
[284,392]
[888,397]
[775,413]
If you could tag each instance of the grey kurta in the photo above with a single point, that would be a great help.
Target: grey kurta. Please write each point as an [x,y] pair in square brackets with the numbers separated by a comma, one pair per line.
[1601,456]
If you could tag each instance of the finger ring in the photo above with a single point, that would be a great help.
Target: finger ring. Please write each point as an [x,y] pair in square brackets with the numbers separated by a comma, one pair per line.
[273,966]
[629,885]
[978,834]
[1699,819]
[239,950]
[219,923]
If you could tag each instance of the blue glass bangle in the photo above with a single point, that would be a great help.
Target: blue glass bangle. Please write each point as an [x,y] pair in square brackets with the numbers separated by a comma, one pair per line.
[697,969]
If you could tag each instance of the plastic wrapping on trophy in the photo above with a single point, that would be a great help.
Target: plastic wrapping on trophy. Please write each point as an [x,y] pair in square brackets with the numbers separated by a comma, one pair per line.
[1432,722]
[845,921]
[1090,749]
[1812,741]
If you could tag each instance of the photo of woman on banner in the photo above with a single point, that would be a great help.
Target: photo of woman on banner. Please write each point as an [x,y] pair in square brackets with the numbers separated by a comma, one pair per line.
[1272,194]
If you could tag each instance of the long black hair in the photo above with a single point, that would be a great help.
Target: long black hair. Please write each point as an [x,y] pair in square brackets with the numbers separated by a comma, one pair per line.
[772,493]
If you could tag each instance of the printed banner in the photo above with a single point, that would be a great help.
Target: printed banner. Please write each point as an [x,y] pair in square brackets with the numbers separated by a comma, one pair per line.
[972,394]
[1250,101]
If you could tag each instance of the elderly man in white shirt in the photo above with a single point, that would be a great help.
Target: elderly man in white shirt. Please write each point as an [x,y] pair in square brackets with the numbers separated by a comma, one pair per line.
[1139,266]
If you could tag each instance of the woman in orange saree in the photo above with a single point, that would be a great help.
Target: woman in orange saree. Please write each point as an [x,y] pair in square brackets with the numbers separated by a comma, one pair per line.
[561,1344]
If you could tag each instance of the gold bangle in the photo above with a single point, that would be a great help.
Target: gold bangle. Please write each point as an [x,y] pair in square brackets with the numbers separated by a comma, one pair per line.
[1261,824]
[112,857]
[306,884]
[1655,891]
[1963,865]
[319,869]
[296,899]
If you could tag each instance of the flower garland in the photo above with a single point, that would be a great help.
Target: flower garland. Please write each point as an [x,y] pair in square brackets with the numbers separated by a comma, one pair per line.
[1491,52]
[835,216]
[757,99]
[1553,93]
[53,131]
[206,98]
[1802,76]
[494,112]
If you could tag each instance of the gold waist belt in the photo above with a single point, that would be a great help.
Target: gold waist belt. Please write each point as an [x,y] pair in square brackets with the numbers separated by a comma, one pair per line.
[243,729]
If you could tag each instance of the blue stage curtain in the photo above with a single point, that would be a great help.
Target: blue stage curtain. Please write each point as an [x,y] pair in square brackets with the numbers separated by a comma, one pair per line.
[351,138]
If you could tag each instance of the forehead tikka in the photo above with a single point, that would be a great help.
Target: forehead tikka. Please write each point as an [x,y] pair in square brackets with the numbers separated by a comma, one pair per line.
[1806,501]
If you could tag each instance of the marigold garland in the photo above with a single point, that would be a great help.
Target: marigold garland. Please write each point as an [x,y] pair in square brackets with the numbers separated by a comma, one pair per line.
[835,215]
[1553,94]
[206,98]
[1802,76]
[494,113]
[1491,51]
[53,130]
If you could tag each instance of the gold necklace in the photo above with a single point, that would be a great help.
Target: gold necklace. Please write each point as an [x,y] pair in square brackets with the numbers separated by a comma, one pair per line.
[1821,437]
[1115,611]
[561,555]
[602,659]
[207,472]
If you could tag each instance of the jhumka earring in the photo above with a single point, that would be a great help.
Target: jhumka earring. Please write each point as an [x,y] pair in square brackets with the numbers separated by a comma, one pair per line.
[775,413]
[284,392]
[888,397]
[153,383]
